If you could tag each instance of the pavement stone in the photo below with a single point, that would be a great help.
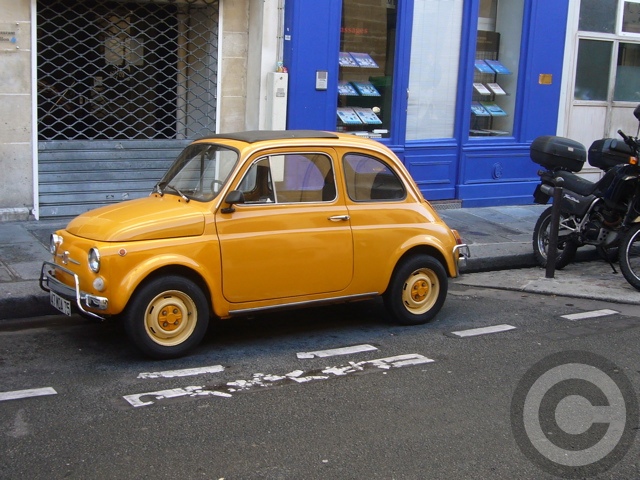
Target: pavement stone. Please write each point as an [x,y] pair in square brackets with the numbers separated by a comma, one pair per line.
[499,239]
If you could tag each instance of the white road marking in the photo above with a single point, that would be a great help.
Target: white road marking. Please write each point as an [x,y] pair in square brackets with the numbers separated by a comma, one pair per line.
[336,351]
[261,380]
[483,331]
[187,372]
[33,392]
[592,314]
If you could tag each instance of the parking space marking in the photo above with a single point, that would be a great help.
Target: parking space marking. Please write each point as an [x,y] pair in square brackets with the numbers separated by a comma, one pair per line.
[336,351]
[260,380]
[187,372]
[473,332]
[33,392]
[592,314]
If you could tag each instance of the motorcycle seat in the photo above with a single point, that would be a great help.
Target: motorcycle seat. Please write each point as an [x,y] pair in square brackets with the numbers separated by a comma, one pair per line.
[577,184]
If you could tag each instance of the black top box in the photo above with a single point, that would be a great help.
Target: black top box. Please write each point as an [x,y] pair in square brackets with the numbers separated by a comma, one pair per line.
[558,153]
[609,152]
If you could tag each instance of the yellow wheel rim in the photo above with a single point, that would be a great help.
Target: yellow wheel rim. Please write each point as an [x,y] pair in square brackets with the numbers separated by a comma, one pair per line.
[171,318]
[420,291]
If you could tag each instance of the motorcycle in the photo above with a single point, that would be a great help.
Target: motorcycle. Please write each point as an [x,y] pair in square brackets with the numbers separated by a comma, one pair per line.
[605,213]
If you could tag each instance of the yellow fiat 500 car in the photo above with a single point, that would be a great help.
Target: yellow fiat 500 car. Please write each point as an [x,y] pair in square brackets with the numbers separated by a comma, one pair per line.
[247,222]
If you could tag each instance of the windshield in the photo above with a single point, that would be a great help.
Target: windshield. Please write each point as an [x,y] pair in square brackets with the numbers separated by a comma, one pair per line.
[199,173]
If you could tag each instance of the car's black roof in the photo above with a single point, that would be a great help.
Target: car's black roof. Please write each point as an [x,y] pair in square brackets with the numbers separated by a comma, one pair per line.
[253,136]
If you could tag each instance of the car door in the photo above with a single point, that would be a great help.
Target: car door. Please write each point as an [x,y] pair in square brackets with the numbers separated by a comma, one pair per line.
[292,236]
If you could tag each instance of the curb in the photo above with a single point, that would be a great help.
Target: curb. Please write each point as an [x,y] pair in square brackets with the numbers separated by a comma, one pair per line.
[29,301]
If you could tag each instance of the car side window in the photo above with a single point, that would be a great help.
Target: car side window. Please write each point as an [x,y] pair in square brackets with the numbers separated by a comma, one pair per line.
[369,179]
[290,178]
[256,184]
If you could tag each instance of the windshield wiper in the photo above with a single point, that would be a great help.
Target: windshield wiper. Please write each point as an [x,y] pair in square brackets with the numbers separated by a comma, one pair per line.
[185,198]
[157,188]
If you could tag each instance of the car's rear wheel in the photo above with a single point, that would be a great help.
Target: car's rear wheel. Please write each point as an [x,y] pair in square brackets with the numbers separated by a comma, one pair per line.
[417,290]
[167,317]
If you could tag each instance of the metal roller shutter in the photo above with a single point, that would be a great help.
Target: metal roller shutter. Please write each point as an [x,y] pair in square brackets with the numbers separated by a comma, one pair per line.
[122,87]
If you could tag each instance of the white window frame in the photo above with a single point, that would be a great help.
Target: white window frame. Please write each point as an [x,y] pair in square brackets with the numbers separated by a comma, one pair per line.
[620,19]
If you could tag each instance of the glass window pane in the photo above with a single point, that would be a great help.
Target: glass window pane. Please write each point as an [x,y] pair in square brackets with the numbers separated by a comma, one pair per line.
[592,72]
[433,79]
[365,82]
[256,185]
[495,81]
[628,73]
[631,17]
[303,178]
[598,15]
[368,179]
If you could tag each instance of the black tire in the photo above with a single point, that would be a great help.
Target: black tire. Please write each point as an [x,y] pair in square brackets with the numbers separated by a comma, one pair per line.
[566,248]
[167,317]
[417,290]
[629,256]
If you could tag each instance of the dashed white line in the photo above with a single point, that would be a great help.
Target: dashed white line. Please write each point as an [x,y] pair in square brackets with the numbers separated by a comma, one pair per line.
[336,351]
[483,331]
[33,392]
[187,372]
[592,314]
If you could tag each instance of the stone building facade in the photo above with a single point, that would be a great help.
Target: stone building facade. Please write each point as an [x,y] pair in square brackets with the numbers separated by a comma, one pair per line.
[243,45]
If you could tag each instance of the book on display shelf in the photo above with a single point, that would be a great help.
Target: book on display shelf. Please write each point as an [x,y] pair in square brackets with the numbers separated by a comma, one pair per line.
[478,110]
[481,89]
[498,67]
[348,116]
[364,60]
[367,116]
[366,89]
[493,109]
[496,89]
[346,60]
[482,67]
[345,88]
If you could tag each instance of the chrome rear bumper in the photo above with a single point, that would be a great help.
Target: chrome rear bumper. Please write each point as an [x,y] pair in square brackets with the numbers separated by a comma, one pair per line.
[461,252]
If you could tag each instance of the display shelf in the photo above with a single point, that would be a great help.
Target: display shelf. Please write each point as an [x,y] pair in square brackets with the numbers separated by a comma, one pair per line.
[362,87]
[486,86]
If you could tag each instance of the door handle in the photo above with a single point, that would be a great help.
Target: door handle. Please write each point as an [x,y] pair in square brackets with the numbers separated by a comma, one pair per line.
[339,218]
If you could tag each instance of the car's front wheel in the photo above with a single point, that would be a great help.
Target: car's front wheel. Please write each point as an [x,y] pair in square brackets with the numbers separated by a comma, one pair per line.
[167,317]
[417,290]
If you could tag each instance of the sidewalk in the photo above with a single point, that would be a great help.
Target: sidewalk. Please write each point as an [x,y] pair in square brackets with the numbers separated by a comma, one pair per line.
[499,239]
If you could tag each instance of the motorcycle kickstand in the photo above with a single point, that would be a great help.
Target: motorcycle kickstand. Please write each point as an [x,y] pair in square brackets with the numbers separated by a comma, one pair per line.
[603,253]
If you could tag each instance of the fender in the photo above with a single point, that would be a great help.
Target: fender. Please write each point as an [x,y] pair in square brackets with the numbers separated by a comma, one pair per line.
[427,242]
[144,269]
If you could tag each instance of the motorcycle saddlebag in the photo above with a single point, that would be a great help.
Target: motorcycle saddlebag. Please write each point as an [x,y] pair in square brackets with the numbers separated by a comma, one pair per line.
[558,153]
[608,152]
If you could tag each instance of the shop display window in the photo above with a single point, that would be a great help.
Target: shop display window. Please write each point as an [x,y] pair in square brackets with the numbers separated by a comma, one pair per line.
[496,68]
[366,60]
[434,69]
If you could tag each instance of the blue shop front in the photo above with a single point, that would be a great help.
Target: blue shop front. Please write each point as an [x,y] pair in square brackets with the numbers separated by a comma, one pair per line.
[457,88]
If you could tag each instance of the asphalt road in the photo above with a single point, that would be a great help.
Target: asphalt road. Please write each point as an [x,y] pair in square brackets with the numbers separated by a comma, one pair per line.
[260,401]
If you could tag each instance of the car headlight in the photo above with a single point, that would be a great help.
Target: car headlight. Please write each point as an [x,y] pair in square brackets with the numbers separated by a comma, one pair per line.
[54,242]
[94,260]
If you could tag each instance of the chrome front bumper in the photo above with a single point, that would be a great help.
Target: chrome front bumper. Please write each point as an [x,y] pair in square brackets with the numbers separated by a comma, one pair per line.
[82,300]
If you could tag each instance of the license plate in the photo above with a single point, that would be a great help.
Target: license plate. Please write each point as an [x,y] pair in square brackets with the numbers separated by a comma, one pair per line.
[60,303]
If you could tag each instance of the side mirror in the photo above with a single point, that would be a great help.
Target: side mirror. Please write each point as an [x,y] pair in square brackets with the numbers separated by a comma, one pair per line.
[234,197]
[636,112]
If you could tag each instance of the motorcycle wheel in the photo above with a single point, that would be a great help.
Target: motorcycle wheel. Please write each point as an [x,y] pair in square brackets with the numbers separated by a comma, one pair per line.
[629,256]
[566,248]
